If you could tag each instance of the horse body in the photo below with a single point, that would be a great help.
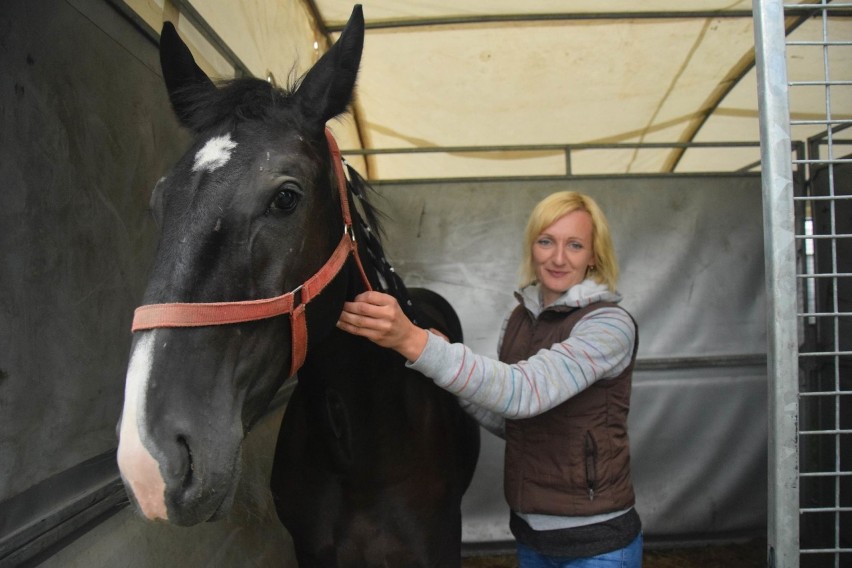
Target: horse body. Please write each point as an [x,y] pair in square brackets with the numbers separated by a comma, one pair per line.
[385,454]
[372,458]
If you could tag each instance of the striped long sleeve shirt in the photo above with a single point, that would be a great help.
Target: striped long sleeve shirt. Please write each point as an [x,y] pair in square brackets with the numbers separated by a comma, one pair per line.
[600,347]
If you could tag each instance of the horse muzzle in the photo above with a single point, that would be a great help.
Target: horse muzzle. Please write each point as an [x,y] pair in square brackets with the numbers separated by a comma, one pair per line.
[177,486]
[179,457]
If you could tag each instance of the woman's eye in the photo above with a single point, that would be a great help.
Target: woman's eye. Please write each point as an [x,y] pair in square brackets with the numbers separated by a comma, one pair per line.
[285,201]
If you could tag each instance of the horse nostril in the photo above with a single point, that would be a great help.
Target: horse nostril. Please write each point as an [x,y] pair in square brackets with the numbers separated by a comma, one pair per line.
[188,473]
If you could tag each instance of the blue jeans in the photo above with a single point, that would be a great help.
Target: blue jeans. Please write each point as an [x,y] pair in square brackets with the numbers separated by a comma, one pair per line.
[628,557]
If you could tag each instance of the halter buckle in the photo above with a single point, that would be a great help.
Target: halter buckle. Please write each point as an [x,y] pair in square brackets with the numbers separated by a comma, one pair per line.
[297,295]
[350,231]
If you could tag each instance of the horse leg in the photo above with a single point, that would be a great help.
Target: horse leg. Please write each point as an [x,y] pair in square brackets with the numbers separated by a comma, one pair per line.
[307,496]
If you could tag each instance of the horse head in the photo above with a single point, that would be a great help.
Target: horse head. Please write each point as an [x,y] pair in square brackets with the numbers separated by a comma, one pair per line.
[248,213]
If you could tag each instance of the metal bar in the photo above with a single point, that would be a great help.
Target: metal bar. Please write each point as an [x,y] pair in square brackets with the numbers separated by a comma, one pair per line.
[665,363]
[817,7]
[825,161]
[820,83]
[824,135]
[816,122]
[546,17]
[812,122]
[826,275]
[566,16]
[823,315]
[820,43]
[781,292]
[544,147]
[825,393]
[824,198]
[825,353]
[835,293]
[523,178]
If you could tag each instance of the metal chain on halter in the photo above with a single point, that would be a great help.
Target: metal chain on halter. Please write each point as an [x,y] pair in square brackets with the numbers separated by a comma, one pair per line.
[389,281]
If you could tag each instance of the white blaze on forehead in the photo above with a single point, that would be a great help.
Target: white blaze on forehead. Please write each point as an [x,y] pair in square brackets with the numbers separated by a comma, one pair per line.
[138,467]
[214,154]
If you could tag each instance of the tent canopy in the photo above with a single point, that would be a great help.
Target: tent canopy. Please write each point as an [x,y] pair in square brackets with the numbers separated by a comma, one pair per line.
[493,88]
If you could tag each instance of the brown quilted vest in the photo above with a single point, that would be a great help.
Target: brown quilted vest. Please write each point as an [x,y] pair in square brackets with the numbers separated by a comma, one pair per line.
[574,459]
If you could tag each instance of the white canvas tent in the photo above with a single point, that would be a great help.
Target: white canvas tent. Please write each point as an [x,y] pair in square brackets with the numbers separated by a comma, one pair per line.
[498,88]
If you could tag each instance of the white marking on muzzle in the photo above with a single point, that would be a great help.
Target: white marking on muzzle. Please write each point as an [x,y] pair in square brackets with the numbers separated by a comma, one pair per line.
[214,154]
[138,467]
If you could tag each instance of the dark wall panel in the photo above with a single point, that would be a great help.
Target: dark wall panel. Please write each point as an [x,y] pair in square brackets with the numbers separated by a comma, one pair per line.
[85,132]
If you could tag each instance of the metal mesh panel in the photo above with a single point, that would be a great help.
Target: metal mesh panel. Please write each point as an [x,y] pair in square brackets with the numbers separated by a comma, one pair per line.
[808,236]
[823,207]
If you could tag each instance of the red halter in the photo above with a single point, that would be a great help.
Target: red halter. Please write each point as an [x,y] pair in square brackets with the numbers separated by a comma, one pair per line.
[218,313]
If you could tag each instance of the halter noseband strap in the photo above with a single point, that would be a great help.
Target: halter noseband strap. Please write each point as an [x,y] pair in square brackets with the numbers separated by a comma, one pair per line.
[293,303]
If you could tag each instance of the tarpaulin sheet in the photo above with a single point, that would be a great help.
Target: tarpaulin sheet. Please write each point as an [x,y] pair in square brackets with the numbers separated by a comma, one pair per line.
[691,255]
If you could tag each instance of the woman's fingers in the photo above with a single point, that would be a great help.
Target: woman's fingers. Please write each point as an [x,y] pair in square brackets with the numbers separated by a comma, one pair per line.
[369,312]
[360,314]
[378,317]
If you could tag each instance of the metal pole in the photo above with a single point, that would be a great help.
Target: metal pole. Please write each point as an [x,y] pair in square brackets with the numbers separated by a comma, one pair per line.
[780,251]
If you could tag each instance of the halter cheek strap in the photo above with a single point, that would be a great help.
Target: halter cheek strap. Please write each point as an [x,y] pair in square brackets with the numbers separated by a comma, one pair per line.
[293,303]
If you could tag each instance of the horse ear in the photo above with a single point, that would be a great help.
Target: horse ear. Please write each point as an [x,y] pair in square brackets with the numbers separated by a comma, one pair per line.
[180,72]
[327,88]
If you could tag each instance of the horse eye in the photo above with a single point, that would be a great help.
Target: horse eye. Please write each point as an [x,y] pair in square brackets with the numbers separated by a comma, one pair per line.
[286,201]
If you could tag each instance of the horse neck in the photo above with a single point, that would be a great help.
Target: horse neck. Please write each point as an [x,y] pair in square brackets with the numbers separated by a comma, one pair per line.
[340,358]
[369,264]
[350,283]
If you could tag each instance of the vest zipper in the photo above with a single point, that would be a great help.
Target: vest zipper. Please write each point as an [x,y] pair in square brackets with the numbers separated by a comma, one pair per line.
[591,464]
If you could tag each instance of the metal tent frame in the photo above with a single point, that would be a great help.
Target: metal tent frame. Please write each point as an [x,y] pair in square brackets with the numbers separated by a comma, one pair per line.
[808,438]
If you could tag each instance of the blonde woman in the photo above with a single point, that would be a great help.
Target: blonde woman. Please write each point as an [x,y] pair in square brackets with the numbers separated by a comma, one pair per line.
[559,394]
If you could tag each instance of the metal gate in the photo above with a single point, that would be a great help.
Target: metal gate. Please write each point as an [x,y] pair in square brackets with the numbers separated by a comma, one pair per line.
[807,187]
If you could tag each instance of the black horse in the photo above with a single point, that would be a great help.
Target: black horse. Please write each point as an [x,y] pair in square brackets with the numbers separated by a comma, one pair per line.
[248,281]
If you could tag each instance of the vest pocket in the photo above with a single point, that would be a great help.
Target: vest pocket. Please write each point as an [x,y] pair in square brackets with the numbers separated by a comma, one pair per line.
[591,456]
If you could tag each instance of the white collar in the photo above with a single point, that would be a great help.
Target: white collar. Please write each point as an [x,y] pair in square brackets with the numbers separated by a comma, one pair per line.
[580,295]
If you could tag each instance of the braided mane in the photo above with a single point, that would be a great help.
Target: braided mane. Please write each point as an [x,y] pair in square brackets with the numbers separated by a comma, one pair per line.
[369,234]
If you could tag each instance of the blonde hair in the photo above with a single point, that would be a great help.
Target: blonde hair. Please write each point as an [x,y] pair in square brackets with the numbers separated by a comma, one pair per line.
[556,206]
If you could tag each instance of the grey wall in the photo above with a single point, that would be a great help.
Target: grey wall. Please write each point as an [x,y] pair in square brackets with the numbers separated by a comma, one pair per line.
[691,254]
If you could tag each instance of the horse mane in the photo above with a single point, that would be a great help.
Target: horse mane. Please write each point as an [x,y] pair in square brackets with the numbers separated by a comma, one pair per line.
[233,101]
[367,219]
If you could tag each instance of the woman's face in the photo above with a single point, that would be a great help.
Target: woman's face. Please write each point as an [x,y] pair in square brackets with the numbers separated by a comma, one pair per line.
[562,253]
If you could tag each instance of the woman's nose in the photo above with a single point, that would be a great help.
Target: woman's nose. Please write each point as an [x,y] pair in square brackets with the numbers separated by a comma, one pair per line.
[560,255]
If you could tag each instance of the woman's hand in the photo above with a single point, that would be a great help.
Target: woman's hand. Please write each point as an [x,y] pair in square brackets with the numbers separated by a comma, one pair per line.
[378,317]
